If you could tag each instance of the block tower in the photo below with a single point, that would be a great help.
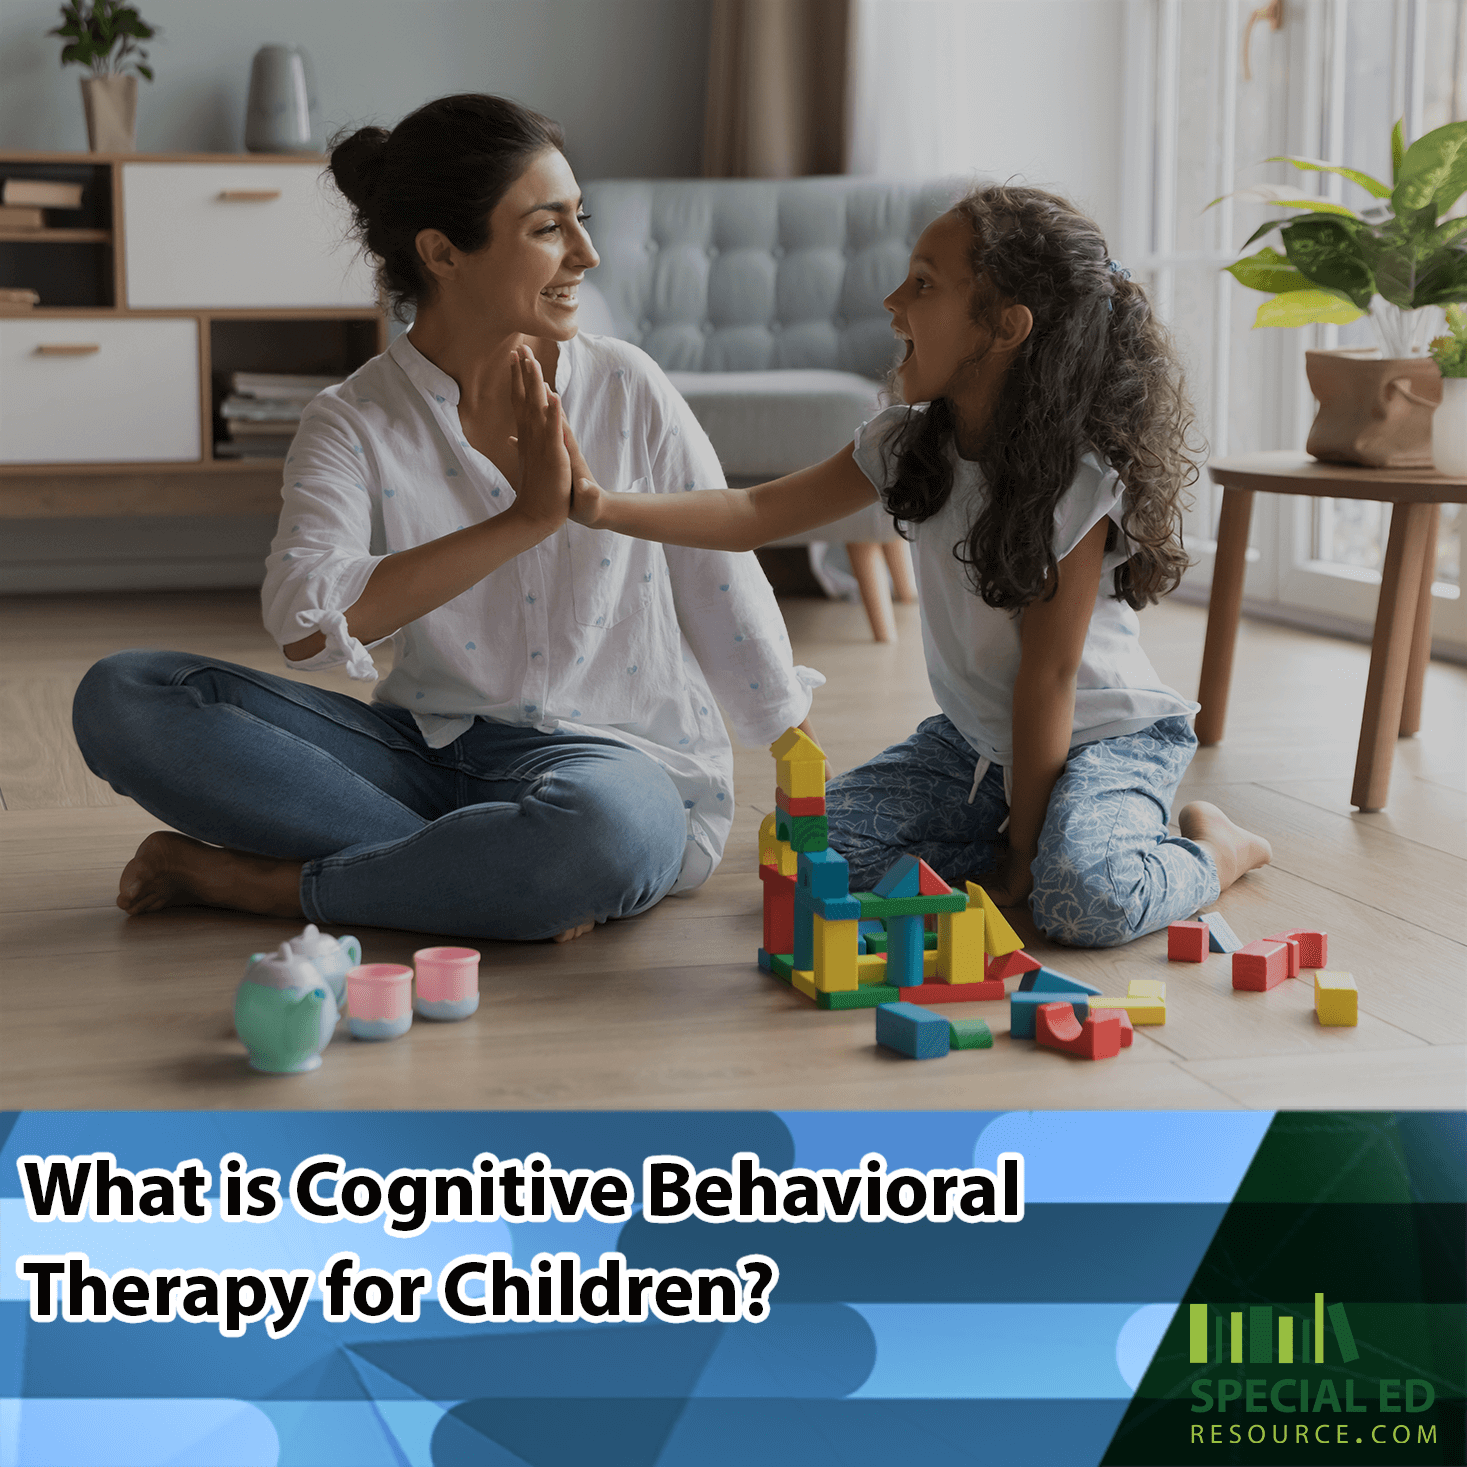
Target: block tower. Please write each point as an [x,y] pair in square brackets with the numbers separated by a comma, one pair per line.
[859,950]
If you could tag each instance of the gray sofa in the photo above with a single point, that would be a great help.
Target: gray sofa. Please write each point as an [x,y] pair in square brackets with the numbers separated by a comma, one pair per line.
[761,299]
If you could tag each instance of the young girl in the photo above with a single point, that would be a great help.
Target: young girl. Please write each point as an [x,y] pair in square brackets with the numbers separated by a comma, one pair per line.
[1037,467]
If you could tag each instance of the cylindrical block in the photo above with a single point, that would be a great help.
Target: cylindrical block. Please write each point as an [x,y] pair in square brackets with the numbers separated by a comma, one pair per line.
[379,1000]
[448,982]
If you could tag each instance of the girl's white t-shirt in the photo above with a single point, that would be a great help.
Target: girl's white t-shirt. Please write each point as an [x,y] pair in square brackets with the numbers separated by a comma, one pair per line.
[972,648]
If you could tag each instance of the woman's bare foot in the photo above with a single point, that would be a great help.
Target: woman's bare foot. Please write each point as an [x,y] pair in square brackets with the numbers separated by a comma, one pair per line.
[172,870]
[1234,849]
[571,933]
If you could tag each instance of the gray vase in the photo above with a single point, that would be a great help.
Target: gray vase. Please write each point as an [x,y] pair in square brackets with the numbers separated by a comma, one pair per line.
[282,115]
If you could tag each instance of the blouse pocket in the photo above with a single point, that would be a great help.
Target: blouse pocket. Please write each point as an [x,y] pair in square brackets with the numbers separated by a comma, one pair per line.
[612,576]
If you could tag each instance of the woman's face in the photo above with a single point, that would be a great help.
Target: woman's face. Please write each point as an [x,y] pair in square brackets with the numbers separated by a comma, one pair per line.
[930,311]
[523,282]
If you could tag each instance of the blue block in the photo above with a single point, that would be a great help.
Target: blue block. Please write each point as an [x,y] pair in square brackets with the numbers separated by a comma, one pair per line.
[1046,980]
[833,909]
[1023,1005]
[803,957]
[764,961]
[1220,937]
[823,874]
[904,948]
[871,925]
[903,880]
[912,1030]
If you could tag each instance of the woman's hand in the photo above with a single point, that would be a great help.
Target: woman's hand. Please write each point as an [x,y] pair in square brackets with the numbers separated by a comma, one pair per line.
[544,489]
[586,493]
[1010,883]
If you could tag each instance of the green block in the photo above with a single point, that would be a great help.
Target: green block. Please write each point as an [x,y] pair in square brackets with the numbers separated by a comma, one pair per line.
[808,832]
[970,1034]
[868,996]
[876,942]
[781,965]
[917,906]
[929,941]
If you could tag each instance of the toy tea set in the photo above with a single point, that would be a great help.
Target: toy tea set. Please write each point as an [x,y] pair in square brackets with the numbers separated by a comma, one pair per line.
[290,1001]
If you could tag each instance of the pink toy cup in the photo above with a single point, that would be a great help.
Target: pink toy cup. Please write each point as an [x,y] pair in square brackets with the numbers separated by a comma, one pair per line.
[379,1000]
[448,982]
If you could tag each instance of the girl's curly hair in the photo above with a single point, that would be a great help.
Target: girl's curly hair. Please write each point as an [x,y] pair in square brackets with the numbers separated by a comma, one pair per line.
[1098,371]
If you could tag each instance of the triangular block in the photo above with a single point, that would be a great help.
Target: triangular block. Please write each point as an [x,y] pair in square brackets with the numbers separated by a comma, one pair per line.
[998,937]
[929,883]
[1010,965]
[1046,980]
[902,880]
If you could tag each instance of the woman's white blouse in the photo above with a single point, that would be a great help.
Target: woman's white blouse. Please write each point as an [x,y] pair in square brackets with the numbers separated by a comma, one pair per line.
[973,649]
[588,631]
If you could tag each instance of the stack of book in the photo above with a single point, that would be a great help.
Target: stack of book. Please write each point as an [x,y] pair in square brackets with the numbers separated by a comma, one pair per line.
[23,201]
[262,412]
[16,299]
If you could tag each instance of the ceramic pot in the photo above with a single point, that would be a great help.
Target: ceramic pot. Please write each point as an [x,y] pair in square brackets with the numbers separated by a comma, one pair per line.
[282,116]
[1449,429]
[1372,411]
[111,105]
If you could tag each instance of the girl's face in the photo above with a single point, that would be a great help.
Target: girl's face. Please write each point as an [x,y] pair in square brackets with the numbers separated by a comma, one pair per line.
[523,282]
[930,311]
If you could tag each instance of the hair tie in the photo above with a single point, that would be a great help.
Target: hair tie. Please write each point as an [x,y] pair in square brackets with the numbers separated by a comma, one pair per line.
[1116,268]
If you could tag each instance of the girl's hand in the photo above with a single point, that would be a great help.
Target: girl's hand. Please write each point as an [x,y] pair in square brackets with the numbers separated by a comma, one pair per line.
[585,505]
[1010,883]
[542,494]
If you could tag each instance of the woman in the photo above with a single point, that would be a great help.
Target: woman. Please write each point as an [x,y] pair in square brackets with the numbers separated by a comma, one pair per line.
[546,753]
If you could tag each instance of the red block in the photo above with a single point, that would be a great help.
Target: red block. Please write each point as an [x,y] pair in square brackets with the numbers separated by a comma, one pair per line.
[1099,1037]
[1010,965]
[951,992]
[803,805]
[779,910]
[1260,966]
[1127,1032]
[1313,946]
[929,883]
[1186,942]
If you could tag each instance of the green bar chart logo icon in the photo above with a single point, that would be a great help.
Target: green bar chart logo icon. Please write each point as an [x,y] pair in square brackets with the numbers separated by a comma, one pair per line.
[1266,1344]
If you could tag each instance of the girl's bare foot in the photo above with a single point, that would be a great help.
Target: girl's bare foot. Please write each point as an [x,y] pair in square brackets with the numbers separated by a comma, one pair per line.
[573,932]
[1234,849]
[172,870]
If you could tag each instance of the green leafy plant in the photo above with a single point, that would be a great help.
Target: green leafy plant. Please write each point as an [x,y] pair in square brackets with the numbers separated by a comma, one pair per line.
[1391,260]
[104,35]
[1450,351]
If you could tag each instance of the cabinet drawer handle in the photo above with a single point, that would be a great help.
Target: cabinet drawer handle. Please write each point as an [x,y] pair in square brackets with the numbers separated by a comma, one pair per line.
[67,349]
[249,195]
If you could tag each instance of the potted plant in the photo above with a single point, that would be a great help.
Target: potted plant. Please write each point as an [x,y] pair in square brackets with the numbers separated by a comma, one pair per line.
[104,35]
[1392,261]
[1449,431]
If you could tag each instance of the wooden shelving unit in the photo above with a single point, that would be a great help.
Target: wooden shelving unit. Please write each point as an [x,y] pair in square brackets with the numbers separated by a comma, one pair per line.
[269,209]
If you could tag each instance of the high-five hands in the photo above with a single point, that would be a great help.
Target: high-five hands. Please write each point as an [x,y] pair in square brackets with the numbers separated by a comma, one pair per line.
[543,493]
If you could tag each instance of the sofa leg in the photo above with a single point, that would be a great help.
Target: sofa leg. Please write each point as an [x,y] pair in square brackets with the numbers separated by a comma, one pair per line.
[899,562]
[869,568]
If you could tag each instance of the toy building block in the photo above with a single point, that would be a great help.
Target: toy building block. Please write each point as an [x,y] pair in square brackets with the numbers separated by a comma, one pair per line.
[835,955]
[969,1034]
[1188,942]
[810,805]
[999,938]
[960,946]
[1010,965]
[868,996]
[954,993]
[929,883]
[1144,1008]
[780,966]
[1336,1000]
[1099,1010]
[870,968]
[1260,966]
[806,832]
[904,951]
[773,851]
[875,941]
[913,906]
[1046,980]
[1057,1027]
[824,873]
[1220,937]
[1313,946]
[1022,1007]
[901,880]
[804,980]
[911,1031]
[802,949]
[799,765]
[779,910]
[1153,987]
[765,962]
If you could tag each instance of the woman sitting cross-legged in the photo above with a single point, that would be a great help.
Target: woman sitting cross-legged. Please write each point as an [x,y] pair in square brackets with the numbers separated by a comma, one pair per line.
[547,752]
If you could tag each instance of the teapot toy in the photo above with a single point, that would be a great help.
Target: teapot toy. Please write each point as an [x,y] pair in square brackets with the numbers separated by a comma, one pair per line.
[285,1012]
[331,955]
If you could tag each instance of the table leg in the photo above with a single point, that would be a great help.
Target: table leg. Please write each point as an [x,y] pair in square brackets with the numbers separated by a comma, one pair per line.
[1421,633]
[899,562]
[1390,653]
[869,569]
[1223,608]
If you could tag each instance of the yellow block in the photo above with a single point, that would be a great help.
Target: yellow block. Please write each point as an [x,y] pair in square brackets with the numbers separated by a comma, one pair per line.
[871,967]
[768,841]
[1144,1008]
[835,955]
[805,982]
[1155,987]
[998,937]
[799,764]
[960,946]
[1336,1000]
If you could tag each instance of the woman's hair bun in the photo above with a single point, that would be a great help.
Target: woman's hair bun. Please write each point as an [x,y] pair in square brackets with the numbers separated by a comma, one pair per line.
[357,162]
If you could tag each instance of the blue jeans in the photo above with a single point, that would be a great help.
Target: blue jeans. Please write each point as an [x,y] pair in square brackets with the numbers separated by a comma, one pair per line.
[1107,870]
[506,833]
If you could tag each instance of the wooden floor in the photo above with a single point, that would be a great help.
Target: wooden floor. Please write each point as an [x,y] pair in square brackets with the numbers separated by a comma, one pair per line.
[668,1010]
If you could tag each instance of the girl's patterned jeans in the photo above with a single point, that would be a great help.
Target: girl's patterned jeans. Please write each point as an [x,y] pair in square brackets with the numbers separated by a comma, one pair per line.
[1107,870]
